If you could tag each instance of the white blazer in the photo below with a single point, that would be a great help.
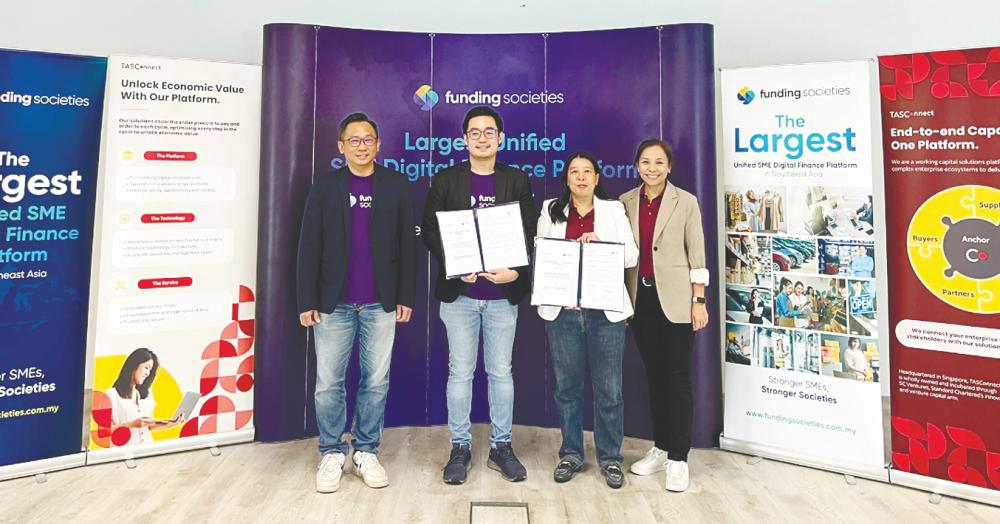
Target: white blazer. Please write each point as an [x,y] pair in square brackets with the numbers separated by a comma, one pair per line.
[611,225]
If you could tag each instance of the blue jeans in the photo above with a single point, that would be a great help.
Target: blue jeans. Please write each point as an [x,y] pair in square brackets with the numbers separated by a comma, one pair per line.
[573,337]
[462,320]
[334,340]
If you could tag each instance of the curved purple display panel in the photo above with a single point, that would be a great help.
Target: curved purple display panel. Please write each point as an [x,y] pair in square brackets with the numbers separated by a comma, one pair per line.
[603,91]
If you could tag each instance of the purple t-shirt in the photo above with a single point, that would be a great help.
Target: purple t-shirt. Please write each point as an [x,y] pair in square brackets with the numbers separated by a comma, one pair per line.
[484,194]
[359,282]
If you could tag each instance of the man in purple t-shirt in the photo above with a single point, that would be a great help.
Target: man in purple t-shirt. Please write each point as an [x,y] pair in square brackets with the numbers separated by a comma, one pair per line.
[487,300]
[355,276]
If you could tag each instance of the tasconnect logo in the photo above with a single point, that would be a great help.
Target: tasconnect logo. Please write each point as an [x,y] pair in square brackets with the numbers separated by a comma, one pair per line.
[425,97]
[745,95]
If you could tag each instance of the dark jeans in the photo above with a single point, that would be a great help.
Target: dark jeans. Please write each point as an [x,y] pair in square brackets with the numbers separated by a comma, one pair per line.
[576,336]
[665,348]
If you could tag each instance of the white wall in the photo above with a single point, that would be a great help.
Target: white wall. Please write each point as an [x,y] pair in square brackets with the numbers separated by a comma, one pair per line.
[750,32]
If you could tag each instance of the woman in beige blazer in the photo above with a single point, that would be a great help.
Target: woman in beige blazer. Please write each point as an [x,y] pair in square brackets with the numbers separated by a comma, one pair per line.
[667,289]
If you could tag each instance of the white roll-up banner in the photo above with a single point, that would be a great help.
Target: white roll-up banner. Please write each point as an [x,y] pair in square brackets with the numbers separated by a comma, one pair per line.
[174,331]
[803,358]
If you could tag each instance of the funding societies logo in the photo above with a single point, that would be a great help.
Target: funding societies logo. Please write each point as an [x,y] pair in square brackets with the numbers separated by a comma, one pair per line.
[745,95]
[425,97]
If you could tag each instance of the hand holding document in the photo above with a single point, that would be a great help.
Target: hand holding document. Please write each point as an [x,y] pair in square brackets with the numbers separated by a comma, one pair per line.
[460,242]
[501,235]
[573,274]
[556,279]
[602,276]
[488,238]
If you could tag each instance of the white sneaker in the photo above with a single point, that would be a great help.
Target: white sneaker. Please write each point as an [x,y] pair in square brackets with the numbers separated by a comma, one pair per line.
[331,468]
[367,467]
[655,461]
[677,476]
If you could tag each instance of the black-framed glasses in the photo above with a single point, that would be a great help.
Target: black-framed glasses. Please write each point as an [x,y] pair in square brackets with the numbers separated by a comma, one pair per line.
[476,134]
[356,141]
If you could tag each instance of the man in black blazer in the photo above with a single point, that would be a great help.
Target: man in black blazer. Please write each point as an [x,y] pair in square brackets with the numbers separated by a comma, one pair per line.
[488,299]
[355,273]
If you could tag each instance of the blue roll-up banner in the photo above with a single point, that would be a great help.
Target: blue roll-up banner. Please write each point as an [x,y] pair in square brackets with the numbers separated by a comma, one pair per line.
[50,131]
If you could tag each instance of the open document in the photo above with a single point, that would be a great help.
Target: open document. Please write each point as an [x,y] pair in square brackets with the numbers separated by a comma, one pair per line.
[488,238]
[568,273]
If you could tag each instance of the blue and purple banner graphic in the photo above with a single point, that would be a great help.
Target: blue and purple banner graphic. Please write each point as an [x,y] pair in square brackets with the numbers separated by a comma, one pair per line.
[603,91]
[50,131]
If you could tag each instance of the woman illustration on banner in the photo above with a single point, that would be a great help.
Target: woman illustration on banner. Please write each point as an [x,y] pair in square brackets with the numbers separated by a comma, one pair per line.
[801,303]
[812,299]
[577,336]
[780,356]
[755,307]
[668,290]
[753,212]
[854,359]
[132,399]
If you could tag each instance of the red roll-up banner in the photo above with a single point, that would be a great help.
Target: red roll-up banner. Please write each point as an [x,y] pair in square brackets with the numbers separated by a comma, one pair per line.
[941,134]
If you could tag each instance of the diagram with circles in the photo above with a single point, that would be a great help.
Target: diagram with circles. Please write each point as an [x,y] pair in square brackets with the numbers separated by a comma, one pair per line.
[952,244]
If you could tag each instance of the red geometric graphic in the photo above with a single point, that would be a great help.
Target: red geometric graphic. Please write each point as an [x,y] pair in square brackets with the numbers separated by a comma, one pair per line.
[951,74]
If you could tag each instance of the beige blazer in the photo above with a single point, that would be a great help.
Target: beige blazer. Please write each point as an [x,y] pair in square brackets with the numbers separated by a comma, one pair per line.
[611,225]
[678,248]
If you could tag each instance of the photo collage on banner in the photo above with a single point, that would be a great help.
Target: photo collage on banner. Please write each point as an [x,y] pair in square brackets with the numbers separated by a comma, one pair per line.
[800,261]
[50,133]
[941,140]
[174,333]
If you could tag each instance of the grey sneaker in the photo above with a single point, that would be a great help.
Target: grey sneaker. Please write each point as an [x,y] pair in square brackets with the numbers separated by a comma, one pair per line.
[457,469]
[502,459]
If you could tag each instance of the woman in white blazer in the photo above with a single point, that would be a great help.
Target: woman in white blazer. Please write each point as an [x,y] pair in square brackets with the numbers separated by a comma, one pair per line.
[584,212]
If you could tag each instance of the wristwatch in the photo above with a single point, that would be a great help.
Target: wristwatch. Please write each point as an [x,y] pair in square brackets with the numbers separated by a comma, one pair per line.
[697,300]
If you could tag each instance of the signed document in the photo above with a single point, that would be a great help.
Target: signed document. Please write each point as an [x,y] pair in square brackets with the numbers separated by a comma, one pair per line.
[602,275]
[569,273]
[556,280]
[501,235]
[460,242]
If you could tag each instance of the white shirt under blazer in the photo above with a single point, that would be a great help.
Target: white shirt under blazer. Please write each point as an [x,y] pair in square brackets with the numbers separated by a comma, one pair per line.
[611,224]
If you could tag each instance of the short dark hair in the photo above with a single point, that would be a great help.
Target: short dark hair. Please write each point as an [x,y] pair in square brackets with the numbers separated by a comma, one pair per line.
[354,118]
[482,111]
[650,142]
[784,282]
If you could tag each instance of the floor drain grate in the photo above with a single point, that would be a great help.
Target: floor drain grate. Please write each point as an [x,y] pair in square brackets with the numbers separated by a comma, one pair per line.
[498,513]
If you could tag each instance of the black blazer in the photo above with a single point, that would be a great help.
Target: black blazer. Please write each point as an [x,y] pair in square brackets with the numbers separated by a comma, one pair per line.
[451,190]
[325,241]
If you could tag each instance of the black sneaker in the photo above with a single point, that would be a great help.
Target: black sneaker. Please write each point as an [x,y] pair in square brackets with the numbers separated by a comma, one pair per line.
[502,459]
[457,469]
[613,475]
[565,470]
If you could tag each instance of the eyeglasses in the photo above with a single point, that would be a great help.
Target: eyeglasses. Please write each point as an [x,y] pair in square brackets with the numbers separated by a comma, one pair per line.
[356,141]
[475,134]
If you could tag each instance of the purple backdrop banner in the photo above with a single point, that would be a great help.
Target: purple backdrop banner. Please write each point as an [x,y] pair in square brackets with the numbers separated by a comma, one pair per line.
[603,91]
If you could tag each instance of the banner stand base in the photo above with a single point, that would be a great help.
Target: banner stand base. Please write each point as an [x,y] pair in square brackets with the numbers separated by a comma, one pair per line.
[41,467]
[880,474]
[128,453]
[941,487]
